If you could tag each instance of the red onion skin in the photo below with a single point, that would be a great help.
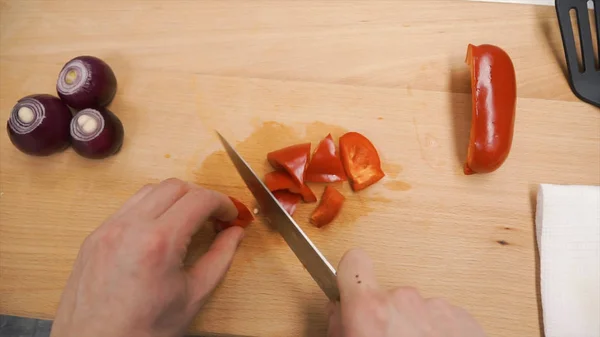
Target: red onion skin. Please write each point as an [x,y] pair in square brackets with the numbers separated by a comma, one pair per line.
[105,144]
[99,92]
[52,135]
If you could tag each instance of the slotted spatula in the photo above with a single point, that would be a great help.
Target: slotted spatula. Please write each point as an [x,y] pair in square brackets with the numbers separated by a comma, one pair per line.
[584,80]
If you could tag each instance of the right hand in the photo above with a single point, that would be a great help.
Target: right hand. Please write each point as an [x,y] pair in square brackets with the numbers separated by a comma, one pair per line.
[366,310]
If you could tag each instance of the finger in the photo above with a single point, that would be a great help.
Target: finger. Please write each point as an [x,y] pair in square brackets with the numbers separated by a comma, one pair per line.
[162,197]
[210,269]
[355,274]
[334,328]
[330,308]
[190,212]
[133,200]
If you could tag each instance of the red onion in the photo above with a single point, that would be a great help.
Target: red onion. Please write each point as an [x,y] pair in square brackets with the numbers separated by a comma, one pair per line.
[96,133]
[86,82]
[39,125]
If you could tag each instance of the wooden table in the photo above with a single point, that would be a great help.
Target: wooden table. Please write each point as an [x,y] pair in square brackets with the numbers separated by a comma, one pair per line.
[272,73]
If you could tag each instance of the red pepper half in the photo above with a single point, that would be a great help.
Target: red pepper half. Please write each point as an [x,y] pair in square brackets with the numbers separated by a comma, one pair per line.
[361,160]
[279,180]
[293,159]
[244,218]
[287,200]
[494,95]
[329,207]
[325,165]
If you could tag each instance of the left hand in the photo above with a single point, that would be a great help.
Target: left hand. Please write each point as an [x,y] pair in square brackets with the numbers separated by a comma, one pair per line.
[128,279]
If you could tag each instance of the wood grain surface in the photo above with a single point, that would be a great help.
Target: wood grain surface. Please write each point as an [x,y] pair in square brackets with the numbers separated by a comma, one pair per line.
[272,73]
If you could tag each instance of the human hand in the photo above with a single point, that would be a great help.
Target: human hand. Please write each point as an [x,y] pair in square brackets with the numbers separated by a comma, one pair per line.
[128,279]
[366,310]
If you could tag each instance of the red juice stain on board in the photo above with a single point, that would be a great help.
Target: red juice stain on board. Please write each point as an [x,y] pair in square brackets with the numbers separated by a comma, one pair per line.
[218,173]
[397,185]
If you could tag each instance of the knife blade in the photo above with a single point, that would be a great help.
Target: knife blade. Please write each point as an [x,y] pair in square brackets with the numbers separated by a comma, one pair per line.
[317,265]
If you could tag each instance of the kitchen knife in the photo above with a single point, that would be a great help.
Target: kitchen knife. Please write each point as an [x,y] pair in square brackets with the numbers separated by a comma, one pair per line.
[312,259]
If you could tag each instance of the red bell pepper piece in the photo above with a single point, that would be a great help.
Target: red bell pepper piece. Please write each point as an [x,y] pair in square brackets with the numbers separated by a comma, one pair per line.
[244,218]
[494,95]
[361,160]
[307,194]
[329,207]
[287,200]
[325,165]
[292,159]
[279,180]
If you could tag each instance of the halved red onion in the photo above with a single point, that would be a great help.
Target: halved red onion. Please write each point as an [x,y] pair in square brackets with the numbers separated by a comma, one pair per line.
[96,133]
[39,125]
[86,82]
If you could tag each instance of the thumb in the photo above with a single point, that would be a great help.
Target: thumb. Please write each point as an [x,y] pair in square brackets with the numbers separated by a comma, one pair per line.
[210,269]
[355,274]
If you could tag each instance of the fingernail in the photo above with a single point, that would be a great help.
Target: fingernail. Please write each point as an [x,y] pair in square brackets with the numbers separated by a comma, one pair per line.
[239,236]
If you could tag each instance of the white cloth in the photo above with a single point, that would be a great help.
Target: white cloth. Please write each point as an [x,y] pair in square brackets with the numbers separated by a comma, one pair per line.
[529,2]
[568,236]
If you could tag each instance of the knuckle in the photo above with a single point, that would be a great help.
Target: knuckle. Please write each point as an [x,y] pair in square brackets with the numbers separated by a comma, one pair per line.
[380,309]
[198,192]
[109,236]
[172,180]
[407,294]
[208,199]
[155,248]
[373,305]
[89,241]
[147,187]
[176,183]
[101,239]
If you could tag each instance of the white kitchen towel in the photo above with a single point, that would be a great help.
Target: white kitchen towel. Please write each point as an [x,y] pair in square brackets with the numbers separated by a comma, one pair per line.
[530,2]
[568,236]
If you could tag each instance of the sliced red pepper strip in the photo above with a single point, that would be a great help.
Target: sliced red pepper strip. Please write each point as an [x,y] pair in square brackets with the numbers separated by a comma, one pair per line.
[293,159]
[494,95]
[288,200]
[244,218]
[329,207]
[361,160]
[279,180]
[325,165]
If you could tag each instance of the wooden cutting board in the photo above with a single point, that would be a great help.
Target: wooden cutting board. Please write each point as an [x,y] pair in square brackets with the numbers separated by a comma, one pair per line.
[270,74]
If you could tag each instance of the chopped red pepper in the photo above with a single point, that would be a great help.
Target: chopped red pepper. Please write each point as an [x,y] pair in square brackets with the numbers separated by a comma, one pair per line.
[325,165]
[361,160]
[243,219]
[307,194]
[288,200]
[293,159]
[279,180]
[329,207]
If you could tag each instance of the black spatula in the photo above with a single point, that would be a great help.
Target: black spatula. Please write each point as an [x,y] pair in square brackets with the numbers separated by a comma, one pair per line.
[584,80]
